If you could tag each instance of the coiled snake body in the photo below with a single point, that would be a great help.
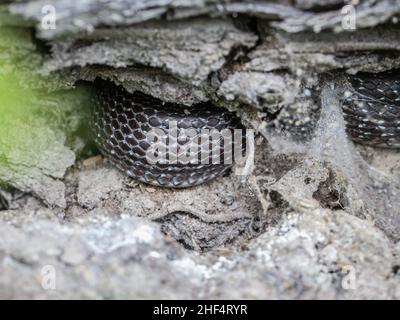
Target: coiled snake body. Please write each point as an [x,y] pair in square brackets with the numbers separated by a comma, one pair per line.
[372,110]
[122,120]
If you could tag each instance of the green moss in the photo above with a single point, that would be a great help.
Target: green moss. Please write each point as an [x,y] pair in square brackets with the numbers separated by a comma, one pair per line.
[33,128]
[15,46]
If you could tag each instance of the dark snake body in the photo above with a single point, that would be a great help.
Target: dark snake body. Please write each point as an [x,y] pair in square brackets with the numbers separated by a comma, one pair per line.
[121,120]
[372,110]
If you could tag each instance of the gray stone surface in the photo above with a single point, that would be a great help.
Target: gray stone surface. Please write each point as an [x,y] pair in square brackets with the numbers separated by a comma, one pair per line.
[85,18]
[190,49]
[306,256]
[369,13]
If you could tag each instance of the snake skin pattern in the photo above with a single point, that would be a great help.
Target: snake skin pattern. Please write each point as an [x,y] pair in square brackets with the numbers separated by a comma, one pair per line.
[121,120]
[372,111]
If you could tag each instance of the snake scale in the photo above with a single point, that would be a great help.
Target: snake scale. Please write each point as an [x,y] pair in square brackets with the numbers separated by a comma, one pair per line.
[372,109]
[121,120]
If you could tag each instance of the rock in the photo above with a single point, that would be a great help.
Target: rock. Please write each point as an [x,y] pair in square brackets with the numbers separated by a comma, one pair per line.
[85,18]
[189,49]
[34,158]
[316,218]
[34,128]
[306,256]
[366,14]
[186,215]
[95,185]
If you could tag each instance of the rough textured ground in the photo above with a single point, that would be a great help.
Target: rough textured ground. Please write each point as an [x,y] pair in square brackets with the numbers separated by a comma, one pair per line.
[318,217]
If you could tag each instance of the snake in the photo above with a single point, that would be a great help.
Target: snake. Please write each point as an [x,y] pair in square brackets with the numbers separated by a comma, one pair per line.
[371,109]
[121,122]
